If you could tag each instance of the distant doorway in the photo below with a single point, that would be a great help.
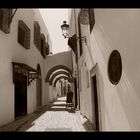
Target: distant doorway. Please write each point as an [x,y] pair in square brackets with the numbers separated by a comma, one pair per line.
[20,95]
[94,96]
[39,87]
[75,90]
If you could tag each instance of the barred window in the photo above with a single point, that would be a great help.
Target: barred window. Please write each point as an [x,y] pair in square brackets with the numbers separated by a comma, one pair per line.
[5,18]
[37,34]
[23,34]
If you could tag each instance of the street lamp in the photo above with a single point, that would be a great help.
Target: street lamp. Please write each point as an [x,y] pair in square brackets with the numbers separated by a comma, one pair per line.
[65,29]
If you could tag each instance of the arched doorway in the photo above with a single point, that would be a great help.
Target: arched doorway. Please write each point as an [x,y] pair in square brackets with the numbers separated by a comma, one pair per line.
[39,87]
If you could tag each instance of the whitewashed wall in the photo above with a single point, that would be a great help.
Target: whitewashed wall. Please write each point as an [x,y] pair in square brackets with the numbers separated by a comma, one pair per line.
[11,51]
[115,29]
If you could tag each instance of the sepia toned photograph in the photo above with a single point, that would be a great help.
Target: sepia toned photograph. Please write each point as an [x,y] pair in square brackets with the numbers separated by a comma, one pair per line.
[69,69]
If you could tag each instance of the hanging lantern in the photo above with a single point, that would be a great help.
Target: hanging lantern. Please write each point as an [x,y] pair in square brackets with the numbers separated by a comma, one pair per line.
[65,28]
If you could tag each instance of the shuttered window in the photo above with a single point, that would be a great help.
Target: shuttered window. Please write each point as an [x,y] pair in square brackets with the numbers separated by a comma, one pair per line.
[91,18]
[23,34]
[43,50]
[47,49]
[37,34]
[5,18]
[80,41]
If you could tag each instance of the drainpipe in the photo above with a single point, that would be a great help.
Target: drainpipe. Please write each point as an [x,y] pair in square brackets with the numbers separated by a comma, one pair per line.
[77,61]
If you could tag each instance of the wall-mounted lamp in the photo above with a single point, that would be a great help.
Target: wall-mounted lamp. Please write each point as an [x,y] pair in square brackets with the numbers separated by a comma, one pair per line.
[65,29]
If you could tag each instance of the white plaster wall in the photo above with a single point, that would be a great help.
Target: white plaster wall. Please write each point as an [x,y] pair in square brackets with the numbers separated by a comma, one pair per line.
[54,93]
[11,51]
[31,98]
[85,93]
[50,94]
[116,29]
[58,88]
[58,59]
[46,94]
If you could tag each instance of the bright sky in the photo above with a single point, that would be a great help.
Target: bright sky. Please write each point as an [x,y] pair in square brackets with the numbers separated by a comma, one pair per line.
[54,19]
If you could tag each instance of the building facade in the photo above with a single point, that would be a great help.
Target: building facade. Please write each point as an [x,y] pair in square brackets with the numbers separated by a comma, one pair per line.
[25,44]
[105,66]
[58,71]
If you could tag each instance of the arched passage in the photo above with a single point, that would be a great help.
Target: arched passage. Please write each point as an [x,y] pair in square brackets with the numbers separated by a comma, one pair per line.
[57,67]
[39,87]
[58,73]
[57,79]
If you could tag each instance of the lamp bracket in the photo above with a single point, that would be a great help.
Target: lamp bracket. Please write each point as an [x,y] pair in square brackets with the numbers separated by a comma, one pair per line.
[82,38]
[13,15]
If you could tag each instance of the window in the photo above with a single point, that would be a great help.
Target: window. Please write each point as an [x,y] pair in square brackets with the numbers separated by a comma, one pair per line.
[47,49]
[5,18]
[37,34]
[23,34]
[87,78]
[43,51]
[115,67]
[42,45]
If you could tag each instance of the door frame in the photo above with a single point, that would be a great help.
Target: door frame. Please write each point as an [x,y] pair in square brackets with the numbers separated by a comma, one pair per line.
[94,72]
[39,84]
[18,78]
[75,90]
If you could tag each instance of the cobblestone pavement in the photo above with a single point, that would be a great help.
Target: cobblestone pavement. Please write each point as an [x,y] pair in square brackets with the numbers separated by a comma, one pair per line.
[51,118]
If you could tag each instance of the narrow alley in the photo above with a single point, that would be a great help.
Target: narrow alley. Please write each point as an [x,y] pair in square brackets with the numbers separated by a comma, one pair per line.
[51,118]
[85,57]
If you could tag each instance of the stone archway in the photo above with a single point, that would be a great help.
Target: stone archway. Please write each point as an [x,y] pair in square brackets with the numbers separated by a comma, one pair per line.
[63,79]
[39,87]
[57,67]
[58,73]
[57,79]
[57,62]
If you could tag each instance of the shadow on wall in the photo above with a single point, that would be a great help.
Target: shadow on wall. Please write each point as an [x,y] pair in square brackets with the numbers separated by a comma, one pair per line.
[129,102]
[100,84]
[88,126]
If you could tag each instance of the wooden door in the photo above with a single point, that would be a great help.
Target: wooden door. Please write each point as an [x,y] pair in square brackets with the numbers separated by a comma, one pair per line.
[95,103]
[20,95]
[75,90]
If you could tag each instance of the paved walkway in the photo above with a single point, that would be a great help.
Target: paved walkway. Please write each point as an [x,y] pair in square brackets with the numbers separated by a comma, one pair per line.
[51,118]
